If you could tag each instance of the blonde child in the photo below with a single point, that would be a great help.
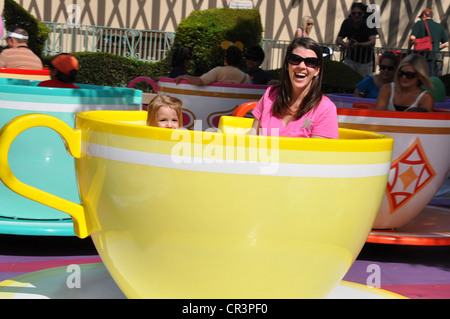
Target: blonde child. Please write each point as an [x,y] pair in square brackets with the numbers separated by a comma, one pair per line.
[165,111]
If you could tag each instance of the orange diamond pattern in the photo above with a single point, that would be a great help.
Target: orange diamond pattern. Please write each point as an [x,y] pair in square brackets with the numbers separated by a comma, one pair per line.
[410,172]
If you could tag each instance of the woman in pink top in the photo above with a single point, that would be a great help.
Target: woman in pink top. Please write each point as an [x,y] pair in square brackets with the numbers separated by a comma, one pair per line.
[296,107]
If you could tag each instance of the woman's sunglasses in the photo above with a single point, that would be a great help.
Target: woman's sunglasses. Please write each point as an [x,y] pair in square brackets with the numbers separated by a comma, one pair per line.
[295,59]
[384,67]
[409,75]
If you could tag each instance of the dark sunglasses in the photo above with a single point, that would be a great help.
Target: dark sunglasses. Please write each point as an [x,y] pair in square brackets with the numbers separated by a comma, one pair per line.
[409,75]
[356,13]
[295,59]
[384,67]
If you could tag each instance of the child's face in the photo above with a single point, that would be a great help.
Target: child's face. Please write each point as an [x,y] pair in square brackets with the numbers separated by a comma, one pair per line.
[167,118]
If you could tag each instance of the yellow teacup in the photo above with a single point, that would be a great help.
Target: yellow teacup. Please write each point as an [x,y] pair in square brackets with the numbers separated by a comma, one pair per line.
[192,214]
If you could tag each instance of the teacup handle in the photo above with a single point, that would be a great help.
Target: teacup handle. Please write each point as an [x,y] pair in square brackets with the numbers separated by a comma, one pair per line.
[72,141]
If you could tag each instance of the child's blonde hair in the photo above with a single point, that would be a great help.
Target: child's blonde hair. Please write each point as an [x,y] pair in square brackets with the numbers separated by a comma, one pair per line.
[164,100]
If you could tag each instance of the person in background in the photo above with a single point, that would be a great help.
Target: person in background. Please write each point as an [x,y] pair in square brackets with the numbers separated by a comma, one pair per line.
[181,61]
[370,86]
[229,73]
[305,28]
[359,47]
[63,72]
[438,35]
[19,55]
[406,92]
[165,111]
[254,57]
[297,107]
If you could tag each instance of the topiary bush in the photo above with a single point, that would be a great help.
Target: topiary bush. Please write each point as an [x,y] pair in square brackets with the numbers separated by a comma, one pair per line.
[339,78]
[204,31]
[15,16]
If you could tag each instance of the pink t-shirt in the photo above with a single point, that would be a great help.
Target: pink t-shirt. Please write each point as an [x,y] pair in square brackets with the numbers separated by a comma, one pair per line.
[321,121]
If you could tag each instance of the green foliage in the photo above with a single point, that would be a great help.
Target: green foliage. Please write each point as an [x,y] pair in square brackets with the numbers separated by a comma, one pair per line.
[204,31]
[15,16]
[339,78]
[99,68]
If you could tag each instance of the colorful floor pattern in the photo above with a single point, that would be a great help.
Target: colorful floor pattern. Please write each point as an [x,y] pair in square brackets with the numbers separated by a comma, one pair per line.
[416,272]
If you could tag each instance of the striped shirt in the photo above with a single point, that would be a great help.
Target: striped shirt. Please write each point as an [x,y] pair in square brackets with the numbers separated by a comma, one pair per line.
[20,58]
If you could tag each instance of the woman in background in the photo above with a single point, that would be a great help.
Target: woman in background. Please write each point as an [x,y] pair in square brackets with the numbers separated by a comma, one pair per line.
[406,93]
[181,61]
[305,28]
[370,86]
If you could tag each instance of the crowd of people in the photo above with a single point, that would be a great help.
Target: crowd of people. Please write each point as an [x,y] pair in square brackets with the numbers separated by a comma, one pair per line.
[63,68]
[293,105]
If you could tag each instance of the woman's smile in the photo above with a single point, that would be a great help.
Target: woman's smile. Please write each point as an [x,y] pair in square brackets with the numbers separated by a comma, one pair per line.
[301,75]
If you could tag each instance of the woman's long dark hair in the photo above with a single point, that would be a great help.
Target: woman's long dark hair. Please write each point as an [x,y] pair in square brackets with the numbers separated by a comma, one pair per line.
[314,96]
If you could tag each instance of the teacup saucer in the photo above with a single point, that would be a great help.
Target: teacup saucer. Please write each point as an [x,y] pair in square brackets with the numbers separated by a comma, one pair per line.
[430,228]
[92,281]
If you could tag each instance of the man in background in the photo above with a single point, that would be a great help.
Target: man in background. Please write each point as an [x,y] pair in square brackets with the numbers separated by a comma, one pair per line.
[438,37]
[19,55]
[254,57]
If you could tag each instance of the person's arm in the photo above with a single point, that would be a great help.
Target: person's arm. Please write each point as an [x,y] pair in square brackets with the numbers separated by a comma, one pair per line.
[416,30]
[343,33]
[195,80]
[2,61]
[411,41]
[383,97]
[358,93]
[427,102]
[340,41]
[443,45]
[255,127]
[370,43]
[299,33]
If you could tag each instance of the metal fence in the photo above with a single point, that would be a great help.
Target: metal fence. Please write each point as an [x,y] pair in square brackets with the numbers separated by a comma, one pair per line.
[143,45]
[152,46]
[276,49]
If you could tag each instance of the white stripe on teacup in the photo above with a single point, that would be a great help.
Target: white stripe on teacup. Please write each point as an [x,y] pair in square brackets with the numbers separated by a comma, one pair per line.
[237,167]
[63,108]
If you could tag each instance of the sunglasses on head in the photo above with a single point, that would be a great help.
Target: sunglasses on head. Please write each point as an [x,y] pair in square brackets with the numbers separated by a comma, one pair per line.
[295,59]
[384,67]
[409,75]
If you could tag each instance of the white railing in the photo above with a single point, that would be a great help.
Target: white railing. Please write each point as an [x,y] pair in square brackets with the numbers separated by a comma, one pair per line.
[143,45]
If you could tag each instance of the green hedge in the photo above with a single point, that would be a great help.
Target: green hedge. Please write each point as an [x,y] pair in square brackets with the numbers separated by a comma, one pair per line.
[107,69]
[339,78]
[15,16]
[203,31]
